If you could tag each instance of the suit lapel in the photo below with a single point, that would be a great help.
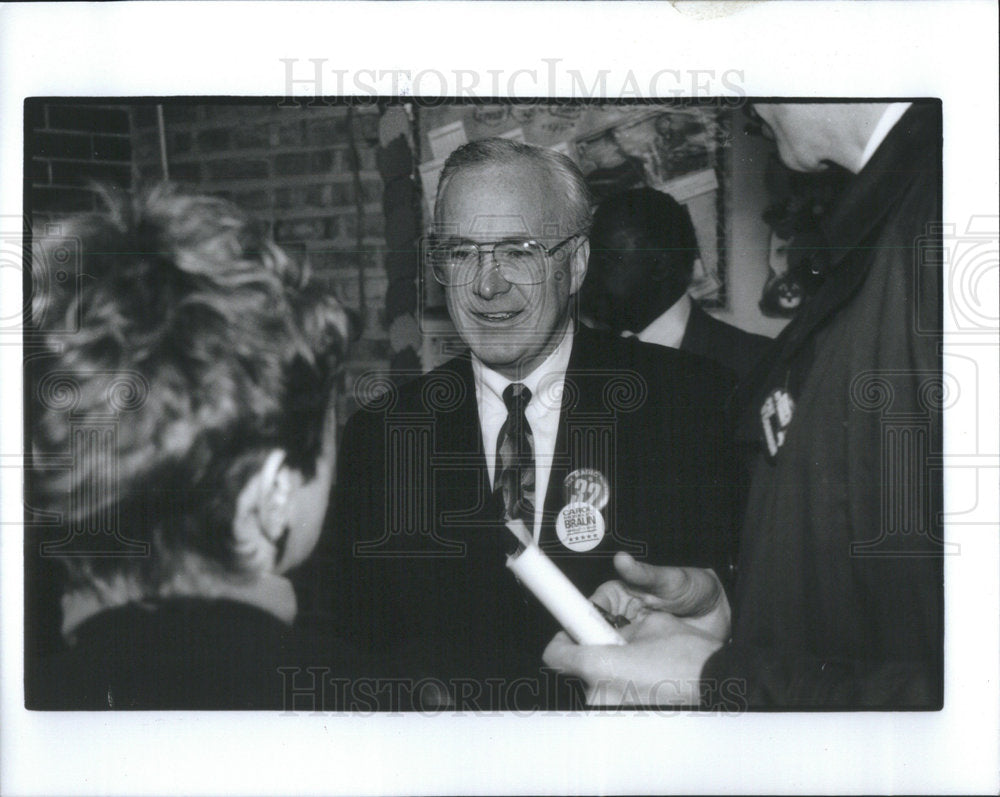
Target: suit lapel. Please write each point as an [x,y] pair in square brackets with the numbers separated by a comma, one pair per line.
[459,461]
[457,429]
[697,331]
[582,406]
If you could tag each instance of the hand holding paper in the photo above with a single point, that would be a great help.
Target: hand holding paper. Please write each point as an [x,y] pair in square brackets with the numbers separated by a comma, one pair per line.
[662,662]
[557,593]
[693,593]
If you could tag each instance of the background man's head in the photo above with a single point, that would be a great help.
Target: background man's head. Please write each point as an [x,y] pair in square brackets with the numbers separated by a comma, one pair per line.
[643,250]
[217,358]
[811,136]
[498,190]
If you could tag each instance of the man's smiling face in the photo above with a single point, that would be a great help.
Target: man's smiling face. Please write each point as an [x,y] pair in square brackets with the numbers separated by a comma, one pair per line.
[511,328]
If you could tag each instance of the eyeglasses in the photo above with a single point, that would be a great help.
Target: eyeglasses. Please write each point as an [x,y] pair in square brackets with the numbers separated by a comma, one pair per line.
[756,126]
[456,261]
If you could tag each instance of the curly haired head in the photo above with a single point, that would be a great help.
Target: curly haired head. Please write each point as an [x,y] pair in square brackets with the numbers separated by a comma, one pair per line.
[198,346]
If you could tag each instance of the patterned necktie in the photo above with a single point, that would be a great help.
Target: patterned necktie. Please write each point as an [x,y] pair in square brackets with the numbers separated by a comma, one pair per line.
[515,465]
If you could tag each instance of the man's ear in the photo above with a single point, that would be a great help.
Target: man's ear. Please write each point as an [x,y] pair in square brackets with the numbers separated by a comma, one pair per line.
[578,266]
[262,513]
[698,273]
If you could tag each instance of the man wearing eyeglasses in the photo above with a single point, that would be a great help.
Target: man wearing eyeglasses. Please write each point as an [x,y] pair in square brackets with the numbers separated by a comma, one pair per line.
[597,444]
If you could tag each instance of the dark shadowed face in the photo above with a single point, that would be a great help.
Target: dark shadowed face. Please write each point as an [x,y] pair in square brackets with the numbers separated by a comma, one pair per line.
[511,327]
[625,284]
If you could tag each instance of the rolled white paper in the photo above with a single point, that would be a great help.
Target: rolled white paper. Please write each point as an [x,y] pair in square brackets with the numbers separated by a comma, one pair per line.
[519,530]
[560,596]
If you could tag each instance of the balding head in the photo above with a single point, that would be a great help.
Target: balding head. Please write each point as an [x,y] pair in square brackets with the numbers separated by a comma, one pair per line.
[563,177]
[810,136]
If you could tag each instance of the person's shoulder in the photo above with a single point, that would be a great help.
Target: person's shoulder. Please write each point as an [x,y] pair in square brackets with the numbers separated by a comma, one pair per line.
[681,376]
[728,345]
[156,656]
[677,366]
[600,347]
[747,343]
[382,393]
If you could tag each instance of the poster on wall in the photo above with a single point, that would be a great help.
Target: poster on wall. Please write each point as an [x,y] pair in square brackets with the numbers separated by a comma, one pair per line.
[679,149]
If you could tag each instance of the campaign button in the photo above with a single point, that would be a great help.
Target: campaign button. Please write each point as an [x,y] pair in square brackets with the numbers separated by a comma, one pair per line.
[587,485]
[580,526]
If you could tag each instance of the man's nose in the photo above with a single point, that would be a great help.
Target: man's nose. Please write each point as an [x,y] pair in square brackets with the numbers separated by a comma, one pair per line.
[490,281]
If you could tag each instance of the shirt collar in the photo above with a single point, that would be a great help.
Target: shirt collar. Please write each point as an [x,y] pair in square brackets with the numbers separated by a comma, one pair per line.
[874,190]
[912,142]
[888,120]
[668,328]
[555,364]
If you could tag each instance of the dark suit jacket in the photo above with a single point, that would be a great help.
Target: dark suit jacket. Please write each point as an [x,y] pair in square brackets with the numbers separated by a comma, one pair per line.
[730,346]
[199,654]
[840,596]
[420,543]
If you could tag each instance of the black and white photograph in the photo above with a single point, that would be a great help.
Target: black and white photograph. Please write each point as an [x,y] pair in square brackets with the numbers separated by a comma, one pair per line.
[555,425]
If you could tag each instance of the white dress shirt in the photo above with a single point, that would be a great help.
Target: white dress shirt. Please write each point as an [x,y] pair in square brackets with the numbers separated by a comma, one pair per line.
[546,386]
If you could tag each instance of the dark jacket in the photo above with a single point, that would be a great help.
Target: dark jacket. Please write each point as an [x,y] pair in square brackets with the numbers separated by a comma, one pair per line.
[197,654]
[839,595]
[727,345]
[421,545]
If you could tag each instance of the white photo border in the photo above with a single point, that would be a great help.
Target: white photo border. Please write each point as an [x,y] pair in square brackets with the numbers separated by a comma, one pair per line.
[792,49]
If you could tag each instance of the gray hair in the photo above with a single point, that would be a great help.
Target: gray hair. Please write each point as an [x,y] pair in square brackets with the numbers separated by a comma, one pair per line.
[505,151]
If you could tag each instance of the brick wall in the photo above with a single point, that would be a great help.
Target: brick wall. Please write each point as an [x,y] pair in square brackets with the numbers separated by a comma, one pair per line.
[308,174]
[67,147]
[294,170]
[291,168]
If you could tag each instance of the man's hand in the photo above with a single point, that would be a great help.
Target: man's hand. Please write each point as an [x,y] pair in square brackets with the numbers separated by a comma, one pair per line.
[660,665]
[693,593]
[679,617]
